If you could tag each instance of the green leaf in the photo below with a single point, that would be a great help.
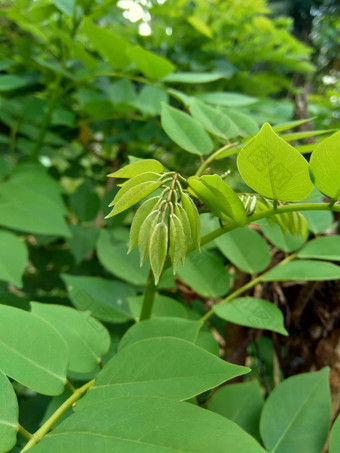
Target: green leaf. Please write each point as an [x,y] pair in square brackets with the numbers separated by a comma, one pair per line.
[136,168]
[150,100]
[158,249]
[133,196]
[26,356]
[227,99]
[147,425]
[318,221]
[141,214]
[145,233]
[115,259]
[8,414]
[184,219]
[193,77]
[200,26]
[246,124]
[325,166]
[246,249]
[306,270]
[193,217]
[301,135]
[9,82]
[185,131]
[83,241]
[291,124]
[213,120]
[298,403]
[322,248]
[242,403]
[85,202]
[178,245]
[151,65]
[252,312]
[87,339]
[110,46]
[284,241]
[166,367]
[205,274]
[133,182]
[14,257]
[104,299]
[273,168]
[207,341]
[335,437]
[163,327]
[163,307]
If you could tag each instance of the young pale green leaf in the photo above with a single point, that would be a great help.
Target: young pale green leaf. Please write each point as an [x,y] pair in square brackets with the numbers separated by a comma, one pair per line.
[8,414]
[151,65]
[26,356]
[141,214]
[145,233]
[136,168]
[325,166]
[335,437]
[213,120]
[185,131]
[298,402]
[242,403]
[178,245]
[133,196]
[166,367]
[273,168]
[146,425]
[236,209]
[252,312]
[163,327]
[194,218]
[306,270]
[14,257]
[87,339]
[183,217]
[246,249]
[104,299]
[133,182]
[322,248]
[158,249]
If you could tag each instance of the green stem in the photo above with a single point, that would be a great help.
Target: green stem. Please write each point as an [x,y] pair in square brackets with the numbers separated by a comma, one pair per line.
[70,386]
[211,158]
[149,298]
[244,288]
[24,432]
[38,435]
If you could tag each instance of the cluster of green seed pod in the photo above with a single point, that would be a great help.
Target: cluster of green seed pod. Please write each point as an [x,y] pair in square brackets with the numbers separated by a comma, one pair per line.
[165,224]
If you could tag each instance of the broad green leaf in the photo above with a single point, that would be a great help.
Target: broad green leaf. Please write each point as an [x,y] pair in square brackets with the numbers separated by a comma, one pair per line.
[150,100]
[158,249]
[147,425]
[296,415]
[193,77]
[122,92]
[104,299]
[83,241]
[185,131]
[301,135]
[14,257]
[252,312]
[242,403]
[291,125]
[65,6]
[213,120]
[207,341]
[325,166]
[141,214]
[227,99]
[151,65]
[8,414]
[178,245]
[246,124]
[205,274]
[163,327]
[286,242]
[138,179]
[166,367]
[87,339]
[108,44]
[27,345]
[318,221]
[322,248]
[136,168]
[145,233]
[306,270]
[115,259]
[246,249]
[9,82]
[133,196]
[200,26]
[335,437]
[85,202]
[193,217]
[273,168]
[163,307]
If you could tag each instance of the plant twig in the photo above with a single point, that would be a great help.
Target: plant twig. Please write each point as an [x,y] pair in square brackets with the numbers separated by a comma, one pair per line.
[213,157]
[24,432]
[149,298]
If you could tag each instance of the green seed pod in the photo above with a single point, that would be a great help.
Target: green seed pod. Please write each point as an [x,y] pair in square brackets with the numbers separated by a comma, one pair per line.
[141,214]
[158,249]
[145,232]
[194,218]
